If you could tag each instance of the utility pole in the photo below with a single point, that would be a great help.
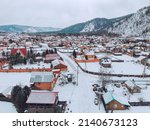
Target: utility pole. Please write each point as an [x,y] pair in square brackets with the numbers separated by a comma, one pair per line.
[144,71]
[77,74]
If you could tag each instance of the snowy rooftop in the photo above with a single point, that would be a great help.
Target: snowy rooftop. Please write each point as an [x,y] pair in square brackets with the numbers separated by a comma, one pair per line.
[108,97]
[130,84]
[42,77]
[42,97]
[57,62]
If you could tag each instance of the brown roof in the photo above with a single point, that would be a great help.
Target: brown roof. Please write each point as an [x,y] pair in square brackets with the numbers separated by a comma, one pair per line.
[42,97]
[52,57]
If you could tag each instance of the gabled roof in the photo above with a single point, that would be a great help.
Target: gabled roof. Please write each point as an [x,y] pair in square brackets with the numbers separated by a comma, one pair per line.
[90,53]
[41,77]
[106,61]
[130,84]
[57,62]
[42,97]
[108,97]
[22,51]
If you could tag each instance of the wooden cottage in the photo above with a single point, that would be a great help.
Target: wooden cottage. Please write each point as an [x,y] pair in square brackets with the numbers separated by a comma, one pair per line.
[115,102]
[42,80]
[51,57]
[58,64]
[42,101]
[132,87]
[90,55]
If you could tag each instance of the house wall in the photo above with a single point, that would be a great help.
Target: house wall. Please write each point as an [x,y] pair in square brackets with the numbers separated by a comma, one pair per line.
[90,56]
[106,65]
[134,90]
[41,109]
[45,86]
[60,66]
[110,106]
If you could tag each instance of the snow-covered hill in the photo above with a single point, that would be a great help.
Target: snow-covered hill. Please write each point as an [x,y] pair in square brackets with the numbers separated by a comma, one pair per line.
[137,24]
[26,29]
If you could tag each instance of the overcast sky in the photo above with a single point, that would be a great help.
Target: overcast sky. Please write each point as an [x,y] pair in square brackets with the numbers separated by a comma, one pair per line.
[62,13]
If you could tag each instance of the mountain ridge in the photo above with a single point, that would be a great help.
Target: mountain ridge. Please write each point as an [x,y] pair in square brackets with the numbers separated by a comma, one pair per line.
[26,29]
[135,24]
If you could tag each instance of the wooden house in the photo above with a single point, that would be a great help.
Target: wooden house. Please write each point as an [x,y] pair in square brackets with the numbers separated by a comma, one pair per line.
[51,57]
[22,51]
[58,64]
[136,52]
[42,101]
[90,55]
[114,102]
[132,87]
[42,80]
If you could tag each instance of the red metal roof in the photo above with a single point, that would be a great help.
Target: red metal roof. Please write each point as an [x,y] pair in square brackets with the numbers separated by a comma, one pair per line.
[23,51]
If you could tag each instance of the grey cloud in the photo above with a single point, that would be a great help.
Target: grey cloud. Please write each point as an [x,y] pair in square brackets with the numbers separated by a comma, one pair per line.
[62,13]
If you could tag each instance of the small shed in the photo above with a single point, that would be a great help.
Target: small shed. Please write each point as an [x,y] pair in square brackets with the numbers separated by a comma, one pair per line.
[42,101]
[132,87]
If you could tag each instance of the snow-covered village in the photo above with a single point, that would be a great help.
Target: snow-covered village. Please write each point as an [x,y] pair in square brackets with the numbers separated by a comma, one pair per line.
[74,74]
[99,66]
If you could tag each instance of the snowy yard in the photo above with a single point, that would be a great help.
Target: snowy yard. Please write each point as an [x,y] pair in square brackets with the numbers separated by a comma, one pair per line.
[30,66]
[12,79]
[138,109]
[6,107]
[80,98]
[129,66]
[145,94]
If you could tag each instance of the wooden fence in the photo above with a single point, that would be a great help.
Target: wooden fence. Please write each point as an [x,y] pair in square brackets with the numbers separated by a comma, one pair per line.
[113,75]
[139,103]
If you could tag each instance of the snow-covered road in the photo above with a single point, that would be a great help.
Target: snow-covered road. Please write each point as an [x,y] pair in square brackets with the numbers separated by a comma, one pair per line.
[80,96]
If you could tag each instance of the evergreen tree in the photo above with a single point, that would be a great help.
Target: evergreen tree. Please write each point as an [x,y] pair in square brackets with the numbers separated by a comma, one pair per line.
[25,61]
[55,50]
[3,53]
[44,54]
[74,54]
[19,97]
[27,91]
[20,101]
[14,92]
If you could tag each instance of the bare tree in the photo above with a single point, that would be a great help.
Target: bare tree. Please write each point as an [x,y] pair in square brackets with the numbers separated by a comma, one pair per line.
[104,78]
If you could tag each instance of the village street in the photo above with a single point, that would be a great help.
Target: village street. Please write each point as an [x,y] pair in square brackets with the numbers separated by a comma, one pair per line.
[80,97]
